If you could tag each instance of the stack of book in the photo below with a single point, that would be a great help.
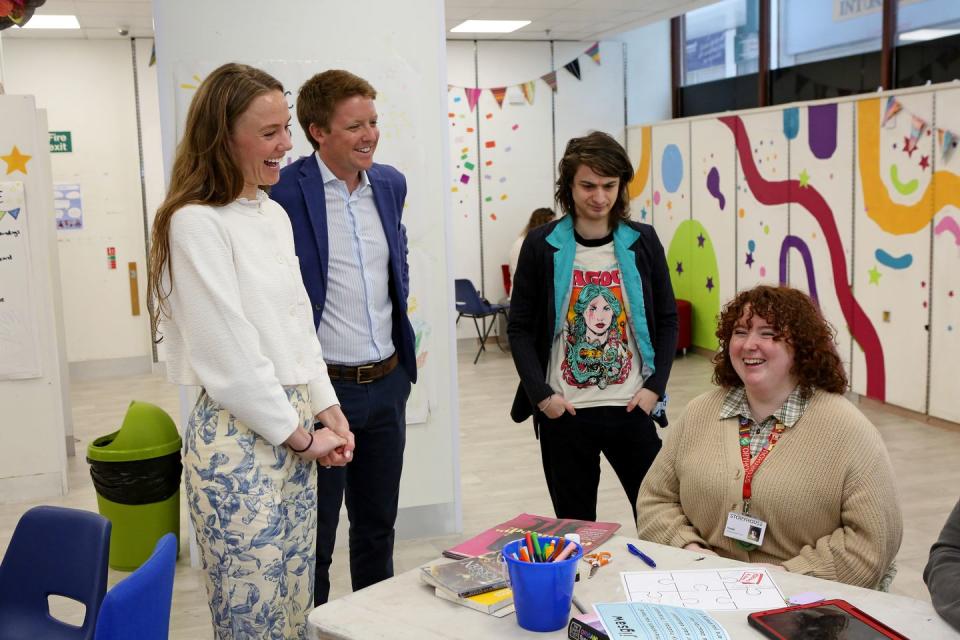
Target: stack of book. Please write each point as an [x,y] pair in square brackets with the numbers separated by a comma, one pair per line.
[478,583]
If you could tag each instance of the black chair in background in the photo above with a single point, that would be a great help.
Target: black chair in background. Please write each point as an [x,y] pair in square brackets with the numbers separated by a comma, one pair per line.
[471,305]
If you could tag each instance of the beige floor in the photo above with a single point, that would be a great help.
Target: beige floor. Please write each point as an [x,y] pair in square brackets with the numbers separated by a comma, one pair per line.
[501,474]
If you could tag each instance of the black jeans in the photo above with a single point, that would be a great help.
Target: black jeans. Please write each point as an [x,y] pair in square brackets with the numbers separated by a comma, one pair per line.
[571,446]
[370,482]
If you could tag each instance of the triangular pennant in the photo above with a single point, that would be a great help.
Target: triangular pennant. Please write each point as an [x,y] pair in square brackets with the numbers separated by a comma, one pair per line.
[893,107]
[948,144]
[573,67]
[551,80]
[473,95]
[594,52]
[917,127]
[498,94]
[2,213]
[528,88]
[14,213]
[153,55]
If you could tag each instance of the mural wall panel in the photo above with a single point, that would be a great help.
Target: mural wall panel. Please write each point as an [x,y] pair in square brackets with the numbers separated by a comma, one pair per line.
[945,284]
[891,266]
[762,214]
[817,253]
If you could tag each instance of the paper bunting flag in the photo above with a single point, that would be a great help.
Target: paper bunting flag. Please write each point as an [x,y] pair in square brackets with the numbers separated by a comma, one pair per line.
[528,88]
[947,141]
[573,67]
[153,56]
[473,95]
[917,127]
[594,52]
[551,80]
[893,107]
[2,213]
[14,213]
[498,94]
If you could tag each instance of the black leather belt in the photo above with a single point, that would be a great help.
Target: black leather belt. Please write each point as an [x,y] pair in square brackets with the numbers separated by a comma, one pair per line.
[364,373]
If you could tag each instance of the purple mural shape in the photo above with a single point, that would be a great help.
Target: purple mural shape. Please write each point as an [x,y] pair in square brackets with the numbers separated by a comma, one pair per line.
[793,242]
[822,134]
[713,187]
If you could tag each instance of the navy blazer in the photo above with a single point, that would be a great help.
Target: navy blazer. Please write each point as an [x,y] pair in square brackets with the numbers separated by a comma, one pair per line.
[300,192]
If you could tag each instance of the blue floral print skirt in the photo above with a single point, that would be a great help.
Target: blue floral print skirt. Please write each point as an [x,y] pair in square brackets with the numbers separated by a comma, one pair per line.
[254,509]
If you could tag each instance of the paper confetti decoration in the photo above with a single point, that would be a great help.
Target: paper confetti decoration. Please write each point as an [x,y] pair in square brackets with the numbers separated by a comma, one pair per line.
[573,67]
[528,88]
[498,95]
[490,144]
[469,165]
[594,52]
[551,80]
[473,95]
[464,178]
[893,107]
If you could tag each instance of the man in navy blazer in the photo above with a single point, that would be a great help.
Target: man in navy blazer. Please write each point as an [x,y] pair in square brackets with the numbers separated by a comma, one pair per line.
[345,212]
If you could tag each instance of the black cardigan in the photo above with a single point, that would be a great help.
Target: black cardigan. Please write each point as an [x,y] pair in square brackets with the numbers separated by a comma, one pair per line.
[532,318]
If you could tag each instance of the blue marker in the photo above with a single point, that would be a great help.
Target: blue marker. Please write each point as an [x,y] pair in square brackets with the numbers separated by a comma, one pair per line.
[640,554]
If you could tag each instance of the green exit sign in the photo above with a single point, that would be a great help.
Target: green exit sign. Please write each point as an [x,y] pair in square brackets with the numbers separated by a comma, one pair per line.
[61,142]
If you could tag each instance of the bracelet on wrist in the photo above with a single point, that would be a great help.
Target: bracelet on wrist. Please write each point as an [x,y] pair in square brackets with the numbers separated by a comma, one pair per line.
[309,444]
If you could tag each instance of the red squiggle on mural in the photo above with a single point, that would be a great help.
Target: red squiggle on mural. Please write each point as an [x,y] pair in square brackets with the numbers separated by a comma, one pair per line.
[780,192]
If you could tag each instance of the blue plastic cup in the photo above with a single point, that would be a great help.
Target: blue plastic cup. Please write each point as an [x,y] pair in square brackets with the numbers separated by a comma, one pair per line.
[542,591]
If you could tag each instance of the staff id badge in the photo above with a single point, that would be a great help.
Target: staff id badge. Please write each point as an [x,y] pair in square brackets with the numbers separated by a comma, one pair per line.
[745,528]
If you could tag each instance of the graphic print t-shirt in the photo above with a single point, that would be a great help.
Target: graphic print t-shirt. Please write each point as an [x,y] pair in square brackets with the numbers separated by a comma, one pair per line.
[595,361]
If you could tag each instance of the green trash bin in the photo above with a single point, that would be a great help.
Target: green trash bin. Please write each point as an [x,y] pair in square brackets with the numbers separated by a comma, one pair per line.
[136,473]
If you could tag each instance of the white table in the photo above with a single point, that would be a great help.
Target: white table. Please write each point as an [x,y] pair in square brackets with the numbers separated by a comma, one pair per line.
[403,608]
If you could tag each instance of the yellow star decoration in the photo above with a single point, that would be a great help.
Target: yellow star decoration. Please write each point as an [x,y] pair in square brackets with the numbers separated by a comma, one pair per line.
[16,161]
[804,178]
[874,275]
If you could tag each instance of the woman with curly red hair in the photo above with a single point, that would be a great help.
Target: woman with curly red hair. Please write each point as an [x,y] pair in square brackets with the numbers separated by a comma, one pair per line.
[775,467]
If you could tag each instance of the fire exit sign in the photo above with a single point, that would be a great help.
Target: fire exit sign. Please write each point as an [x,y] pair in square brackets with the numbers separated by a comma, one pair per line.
[61,142]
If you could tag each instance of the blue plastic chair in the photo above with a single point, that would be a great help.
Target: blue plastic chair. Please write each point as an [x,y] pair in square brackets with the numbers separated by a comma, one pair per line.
[471,305]
[54,551]
[138,607]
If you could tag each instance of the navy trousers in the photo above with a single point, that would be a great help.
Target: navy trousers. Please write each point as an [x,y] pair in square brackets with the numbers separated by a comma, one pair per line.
[570,447]
[370,483]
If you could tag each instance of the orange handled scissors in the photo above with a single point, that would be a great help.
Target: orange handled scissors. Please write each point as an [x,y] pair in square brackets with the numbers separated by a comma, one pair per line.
[597,560]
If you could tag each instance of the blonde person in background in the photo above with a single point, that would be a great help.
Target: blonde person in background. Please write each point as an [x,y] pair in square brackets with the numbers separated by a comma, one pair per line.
[538,218]
[822,499]
[234,315]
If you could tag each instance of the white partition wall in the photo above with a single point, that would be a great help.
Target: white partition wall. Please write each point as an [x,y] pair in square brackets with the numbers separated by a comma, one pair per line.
[855,201]
[32,451]
[945,283]
[405,62]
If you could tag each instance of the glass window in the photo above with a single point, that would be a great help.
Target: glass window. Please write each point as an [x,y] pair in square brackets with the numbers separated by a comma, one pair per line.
[811,30]
[919,20]
[722,41]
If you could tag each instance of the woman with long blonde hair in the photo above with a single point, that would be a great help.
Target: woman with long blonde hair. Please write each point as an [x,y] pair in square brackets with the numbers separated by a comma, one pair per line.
[233,314]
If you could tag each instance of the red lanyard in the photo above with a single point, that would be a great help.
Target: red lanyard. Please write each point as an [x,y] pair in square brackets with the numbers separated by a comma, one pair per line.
[750,469]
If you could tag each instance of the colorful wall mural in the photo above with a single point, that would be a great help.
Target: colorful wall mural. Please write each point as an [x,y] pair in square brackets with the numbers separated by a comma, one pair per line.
[855,201]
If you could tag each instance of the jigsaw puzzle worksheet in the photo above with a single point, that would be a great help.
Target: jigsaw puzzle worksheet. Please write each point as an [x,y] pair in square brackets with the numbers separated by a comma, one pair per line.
[711,589]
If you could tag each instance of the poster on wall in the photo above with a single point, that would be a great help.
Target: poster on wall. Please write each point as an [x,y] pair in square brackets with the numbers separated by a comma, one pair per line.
[19,355]
[68,206]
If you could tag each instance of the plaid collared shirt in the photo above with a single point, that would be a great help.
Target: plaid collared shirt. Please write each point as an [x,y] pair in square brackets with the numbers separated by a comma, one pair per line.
[735,405]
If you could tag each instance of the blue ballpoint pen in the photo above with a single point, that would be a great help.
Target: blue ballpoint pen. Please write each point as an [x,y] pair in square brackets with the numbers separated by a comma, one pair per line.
[640,554]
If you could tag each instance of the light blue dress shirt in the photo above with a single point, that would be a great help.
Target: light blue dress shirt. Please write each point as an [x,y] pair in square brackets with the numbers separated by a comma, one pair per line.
[357,319]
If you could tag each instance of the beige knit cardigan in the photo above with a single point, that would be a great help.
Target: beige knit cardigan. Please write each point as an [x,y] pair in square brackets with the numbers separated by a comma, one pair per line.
[826,491]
